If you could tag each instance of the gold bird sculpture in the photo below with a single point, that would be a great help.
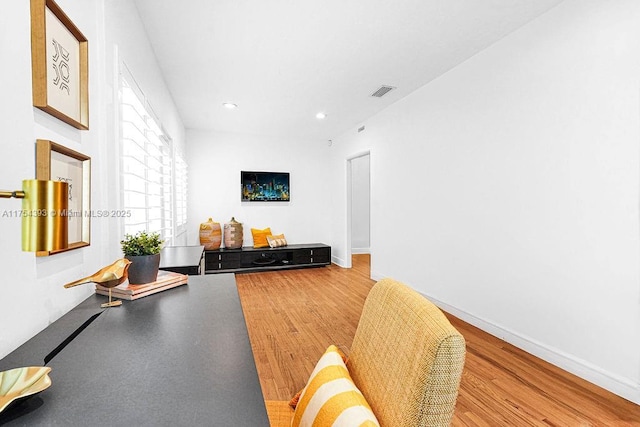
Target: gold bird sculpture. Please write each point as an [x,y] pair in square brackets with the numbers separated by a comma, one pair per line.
[108,277]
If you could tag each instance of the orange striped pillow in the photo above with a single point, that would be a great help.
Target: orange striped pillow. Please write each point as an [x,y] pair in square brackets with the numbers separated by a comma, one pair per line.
[330,397]
[277,241]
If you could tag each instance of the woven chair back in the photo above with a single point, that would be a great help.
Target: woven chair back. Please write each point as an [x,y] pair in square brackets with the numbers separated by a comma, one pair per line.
[406,358]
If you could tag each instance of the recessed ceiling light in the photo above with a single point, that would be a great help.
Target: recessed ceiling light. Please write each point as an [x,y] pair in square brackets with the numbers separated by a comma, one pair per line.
[321,115]
[230,105]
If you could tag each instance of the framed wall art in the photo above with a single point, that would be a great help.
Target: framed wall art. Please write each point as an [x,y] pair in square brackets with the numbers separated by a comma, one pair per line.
[60,69]
[59,163]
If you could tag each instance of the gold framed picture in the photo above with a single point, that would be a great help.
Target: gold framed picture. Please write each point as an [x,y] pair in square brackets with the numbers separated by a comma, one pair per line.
[60,68]
[59,163]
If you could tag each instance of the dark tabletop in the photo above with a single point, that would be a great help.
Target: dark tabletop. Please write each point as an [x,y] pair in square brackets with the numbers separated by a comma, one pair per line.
[179,357]
[181,256]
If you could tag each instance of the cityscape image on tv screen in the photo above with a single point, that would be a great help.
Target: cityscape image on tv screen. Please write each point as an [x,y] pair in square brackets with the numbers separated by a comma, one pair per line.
[265,186]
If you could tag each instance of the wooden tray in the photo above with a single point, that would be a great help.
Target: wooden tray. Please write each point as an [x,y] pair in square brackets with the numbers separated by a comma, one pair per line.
[166,280]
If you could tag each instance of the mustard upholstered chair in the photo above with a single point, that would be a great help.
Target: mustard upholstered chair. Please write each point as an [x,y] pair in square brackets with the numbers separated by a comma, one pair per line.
[406,358]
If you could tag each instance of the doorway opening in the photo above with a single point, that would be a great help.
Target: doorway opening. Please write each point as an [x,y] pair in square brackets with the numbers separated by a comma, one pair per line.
[358,206]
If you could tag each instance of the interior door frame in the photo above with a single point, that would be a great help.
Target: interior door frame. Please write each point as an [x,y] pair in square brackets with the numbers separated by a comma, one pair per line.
[349,184]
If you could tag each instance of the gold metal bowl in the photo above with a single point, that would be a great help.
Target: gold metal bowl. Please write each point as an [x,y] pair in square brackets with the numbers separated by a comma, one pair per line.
[19,383]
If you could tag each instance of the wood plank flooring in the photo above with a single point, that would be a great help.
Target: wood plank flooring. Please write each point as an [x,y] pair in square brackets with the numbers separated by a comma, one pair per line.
[294,315]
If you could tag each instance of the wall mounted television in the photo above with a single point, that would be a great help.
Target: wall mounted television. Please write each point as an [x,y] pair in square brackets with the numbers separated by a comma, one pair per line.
[265,186]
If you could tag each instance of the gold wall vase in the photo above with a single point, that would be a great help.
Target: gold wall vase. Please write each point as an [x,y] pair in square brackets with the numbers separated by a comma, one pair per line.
[44,215]
[58,163]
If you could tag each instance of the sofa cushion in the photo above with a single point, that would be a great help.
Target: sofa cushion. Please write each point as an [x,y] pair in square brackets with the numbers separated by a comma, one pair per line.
[260,237]
[330,397]
[277,241]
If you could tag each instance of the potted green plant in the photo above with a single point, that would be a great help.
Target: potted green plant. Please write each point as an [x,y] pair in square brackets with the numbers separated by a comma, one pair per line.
[143,250]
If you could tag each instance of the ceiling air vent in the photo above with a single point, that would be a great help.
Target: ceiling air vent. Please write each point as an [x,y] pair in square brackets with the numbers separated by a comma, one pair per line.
[383,90]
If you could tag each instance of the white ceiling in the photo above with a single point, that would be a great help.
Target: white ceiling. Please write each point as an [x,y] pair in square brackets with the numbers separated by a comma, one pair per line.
[282,61]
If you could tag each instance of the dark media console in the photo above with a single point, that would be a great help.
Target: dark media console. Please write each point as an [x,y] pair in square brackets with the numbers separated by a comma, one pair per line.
[249,259]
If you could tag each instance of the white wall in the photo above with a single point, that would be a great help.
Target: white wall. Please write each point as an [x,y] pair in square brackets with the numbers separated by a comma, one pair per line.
[507,190]
[32,293]
[215,160]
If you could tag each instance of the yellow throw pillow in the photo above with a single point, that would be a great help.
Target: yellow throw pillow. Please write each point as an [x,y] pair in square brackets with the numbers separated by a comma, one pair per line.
[277,241]
[260,237]
[330,397]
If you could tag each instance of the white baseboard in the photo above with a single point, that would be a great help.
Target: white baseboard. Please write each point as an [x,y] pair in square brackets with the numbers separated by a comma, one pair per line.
[338,261]
[358,251]
[376,276]
[614,383]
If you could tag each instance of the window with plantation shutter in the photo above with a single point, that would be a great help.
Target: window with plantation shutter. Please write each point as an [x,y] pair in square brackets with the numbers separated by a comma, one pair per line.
[181,194]
[153,174]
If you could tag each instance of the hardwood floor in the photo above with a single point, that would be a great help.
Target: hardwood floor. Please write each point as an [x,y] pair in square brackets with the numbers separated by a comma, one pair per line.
[294,315]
